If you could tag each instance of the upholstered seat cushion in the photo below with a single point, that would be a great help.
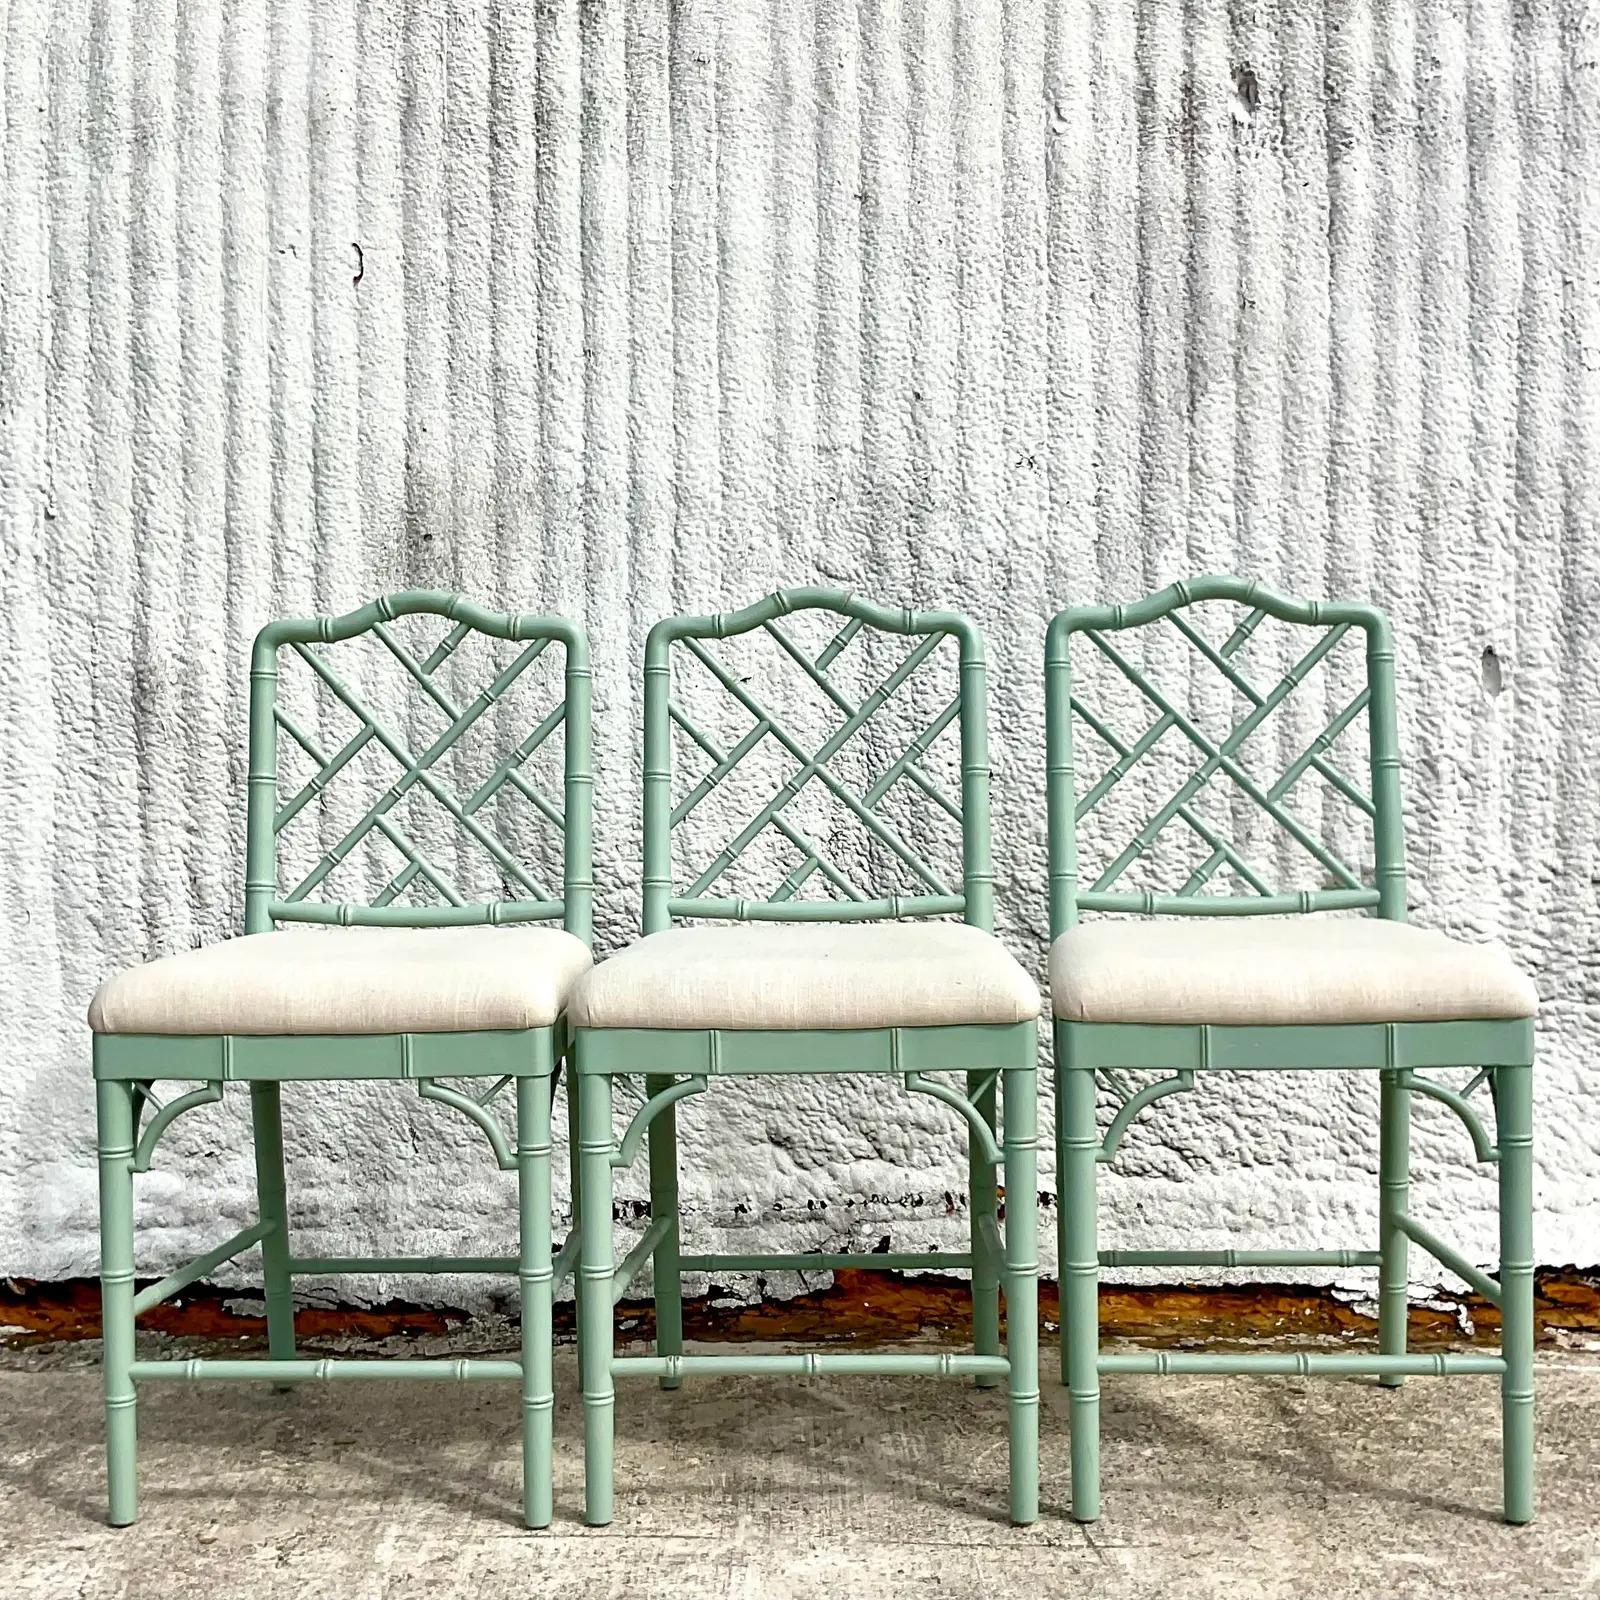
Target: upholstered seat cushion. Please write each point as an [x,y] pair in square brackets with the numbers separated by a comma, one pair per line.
[804,975]
[1280,970]
[350,980]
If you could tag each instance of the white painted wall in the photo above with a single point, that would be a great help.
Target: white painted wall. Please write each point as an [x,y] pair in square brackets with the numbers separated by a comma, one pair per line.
[1002,305]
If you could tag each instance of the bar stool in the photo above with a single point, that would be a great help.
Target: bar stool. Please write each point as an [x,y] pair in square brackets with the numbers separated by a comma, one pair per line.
[1261,978]
[859,980]
[415,978]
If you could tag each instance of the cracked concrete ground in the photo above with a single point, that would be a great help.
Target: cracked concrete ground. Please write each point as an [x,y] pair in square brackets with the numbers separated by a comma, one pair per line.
[753,1487]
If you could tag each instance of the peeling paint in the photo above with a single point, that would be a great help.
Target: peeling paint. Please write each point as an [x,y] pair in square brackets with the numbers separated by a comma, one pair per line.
[862,1307]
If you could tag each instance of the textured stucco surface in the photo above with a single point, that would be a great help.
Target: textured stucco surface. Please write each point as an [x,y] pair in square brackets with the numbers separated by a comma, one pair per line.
[997,305]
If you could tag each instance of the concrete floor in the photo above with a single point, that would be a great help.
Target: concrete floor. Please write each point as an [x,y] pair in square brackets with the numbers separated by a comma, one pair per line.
[749,1487]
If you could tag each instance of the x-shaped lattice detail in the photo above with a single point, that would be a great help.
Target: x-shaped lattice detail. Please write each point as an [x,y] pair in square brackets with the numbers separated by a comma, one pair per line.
[1219,757]
[815,766]
[416,769]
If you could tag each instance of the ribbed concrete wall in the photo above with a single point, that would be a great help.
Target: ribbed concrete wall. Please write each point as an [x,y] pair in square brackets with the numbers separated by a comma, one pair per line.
[661,307]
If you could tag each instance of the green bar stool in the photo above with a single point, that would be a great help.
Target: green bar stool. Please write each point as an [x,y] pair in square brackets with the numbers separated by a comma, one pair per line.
[420,976]
[858,980]
[1255,979]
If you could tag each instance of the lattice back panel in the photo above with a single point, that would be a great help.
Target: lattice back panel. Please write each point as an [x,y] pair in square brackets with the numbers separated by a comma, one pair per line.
[1222,756]
[808,765]
[420,768]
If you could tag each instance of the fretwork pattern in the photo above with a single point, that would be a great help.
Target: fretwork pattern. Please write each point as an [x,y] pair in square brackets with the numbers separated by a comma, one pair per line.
[815,764]
[1222,777]
[393,770]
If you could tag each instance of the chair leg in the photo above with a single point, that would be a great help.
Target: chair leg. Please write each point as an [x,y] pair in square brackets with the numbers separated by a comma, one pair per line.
[666,1275]
[1394,1181]
[1080,1284]
[575,1186]
[1021,1134]
[983,1204]
[1513,1093]
[534,1275]
[1061,1239]
[595,1269]
[272,1203]
[574,1149]
[114,1105]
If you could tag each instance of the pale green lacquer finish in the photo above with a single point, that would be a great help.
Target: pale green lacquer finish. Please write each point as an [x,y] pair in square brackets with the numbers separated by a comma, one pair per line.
[133,1120]
[999,1063]
[969,708]
[1088,1054]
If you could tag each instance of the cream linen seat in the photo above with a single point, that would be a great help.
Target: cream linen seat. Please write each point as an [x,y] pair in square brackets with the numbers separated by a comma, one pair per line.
[1288,970]
[350,981]
[812,976]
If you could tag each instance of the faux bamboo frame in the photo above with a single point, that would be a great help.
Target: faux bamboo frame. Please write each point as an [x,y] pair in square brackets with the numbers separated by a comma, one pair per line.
[999,1062]
[126,1066]
[1088,1053]
[679,1063]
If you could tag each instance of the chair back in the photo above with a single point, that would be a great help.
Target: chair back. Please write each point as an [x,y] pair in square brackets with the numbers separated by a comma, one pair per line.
[412,787]
[1234,803]
[866,818]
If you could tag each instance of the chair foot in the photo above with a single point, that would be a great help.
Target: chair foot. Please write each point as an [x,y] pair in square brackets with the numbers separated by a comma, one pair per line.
[122,1481]
[1084,1425]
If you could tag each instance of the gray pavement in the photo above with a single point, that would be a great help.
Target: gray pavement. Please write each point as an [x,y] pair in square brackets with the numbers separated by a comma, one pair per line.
[754,1487]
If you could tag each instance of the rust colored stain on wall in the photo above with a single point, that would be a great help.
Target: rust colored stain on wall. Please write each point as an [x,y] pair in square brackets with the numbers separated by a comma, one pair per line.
[45,1313]
[863,1307]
